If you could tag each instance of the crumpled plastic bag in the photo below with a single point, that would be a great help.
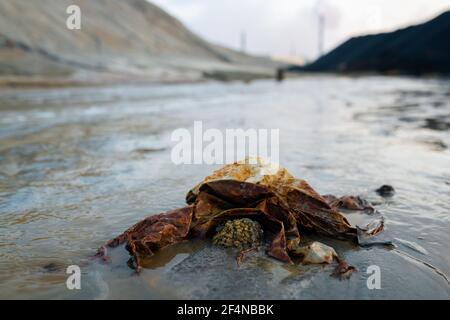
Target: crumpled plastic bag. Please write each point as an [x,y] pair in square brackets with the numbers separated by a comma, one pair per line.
[282,204]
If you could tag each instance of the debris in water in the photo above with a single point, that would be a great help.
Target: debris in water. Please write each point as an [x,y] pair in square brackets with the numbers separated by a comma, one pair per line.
[349,203]
[385,191]
[319,253]
[316,253]
[260,192]
[244,253]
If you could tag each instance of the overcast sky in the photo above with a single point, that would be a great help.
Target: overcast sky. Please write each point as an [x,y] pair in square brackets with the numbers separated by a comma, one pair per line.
[286,27]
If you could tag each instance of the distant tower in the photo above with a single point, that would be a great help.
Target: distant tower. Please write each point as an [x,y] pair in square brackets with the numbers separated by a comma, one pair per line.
[243,41]
[292,51]
[321,32]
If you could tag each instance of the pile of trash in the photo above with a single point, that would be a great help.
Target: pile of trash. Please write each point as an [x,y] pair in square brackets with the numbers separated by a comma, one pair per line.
[264,195]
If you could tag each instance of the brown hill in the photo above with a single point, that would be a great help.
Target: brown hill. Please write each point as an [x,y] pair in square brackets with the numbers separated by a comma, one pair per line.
[118,40]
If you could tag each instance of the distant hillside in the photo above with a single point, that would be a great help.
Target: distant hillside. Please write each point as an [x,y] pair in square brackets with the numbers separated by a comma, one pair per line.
[419,49]
[123,39]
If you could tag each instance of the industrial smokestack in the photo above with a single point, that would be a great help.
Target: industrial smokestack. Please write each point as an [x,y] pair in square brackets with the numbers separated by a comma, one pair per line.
[243,41]
[321,32]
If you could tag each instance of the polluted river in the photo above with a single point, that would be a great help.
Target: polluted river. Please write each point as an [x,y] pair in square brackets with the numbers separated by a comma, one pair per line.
[78,166]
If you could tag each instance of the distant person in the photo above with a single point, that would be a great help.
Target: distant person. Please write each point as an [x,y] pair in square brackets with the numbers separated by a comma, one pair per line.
[280,75]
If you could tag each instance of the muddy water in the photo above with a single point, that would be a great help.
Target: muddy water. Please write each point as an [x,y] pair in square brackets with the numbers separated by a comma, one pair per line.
[78,166]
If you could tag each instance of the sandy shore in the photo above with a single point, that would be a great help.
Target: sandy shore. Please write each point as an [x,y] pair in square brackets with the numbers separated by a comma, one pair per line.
[55,82]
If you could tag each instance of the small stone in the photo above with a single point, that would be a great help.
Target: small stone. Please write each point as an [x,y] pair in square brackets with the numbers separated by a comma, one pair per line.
[385,191]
